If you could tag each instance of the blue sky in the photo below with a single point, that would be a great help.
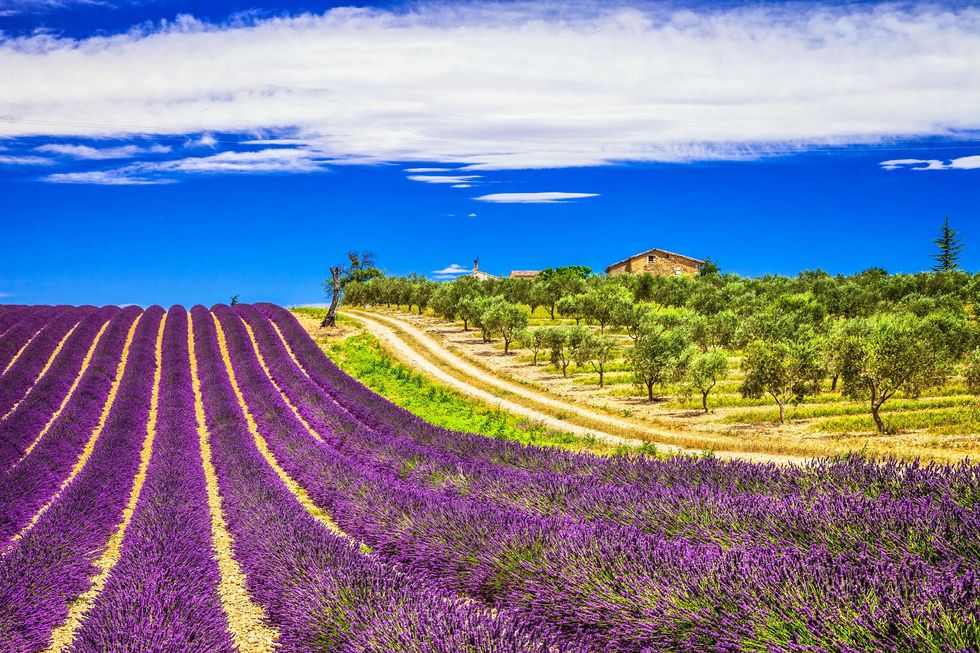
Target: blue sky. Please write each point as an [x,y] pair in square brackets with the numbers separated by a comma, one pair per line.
[162,152]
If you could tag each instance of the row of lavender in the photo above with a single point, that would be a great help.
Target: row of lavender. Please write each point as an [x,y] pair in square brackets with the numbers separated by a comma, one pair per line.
[656,561]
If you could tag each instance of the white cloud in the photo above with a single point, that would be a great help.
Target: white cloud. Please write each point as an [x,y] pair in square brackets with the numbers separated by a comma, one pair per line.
[436,179]
[451,270]
[104,178]
[261,161]
[274,141]
[96,153]
[532,198]
[14,7]
[268,160]
[461,186]
[205,140]
[517,85]
[417,170]
[471,215]
[24,160]
[961,163]
[966,163]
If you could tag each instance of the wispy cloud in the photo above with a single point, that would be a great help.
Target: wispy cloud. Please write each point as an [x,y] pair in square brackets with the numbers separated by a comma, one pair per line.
[276,141]
[14,7]
[267,161]
[104,178]
[436,179]
[543,89]
[24,160]
[533,198]
[961,163]
[423,170]
[98,153]
[471,215]
[450,270]
[461,186]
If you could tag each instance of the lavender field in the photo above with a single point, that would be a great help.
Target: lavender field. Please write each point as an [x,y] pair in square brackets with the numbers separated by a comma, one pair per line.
[207,480]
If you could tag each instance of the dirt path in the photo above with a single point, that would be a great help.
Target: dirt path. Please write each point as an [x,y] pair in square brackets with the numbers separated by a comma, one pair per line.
[422,352]
[406,354]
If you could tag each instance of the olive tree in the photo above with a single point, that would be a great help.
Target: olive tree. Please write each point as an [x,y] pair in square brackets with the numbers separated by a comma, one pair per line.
[786,370]
[554,283]
[484,312]
[556,340]
[563,342]
[448,299]
[470,309]
[595,350]
[631,317]
[421,293]
[604,302]
[704,371]
[509,320]
[360,268]
[534,341]
[887,354]
[572,306]
[658,356]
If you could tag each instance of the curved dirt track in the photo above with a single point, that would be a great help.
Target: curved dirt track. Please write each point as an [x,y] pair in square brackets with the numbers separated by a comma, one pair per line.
[465,377]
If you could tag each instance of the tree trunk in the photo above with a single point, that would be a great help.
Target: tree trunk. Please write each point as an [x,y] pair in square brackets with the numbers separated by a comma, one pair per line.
[833,383]
[506,346]
[551,312]
[330,319]
[602,374]
[704,402]
[875,407]
[649,392]
[466,324]
[782,412]
[535,363]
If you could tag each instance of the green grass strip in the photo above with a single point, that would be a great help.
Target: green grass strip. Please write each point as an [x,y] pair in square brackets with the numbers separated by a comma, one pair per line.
[363,357]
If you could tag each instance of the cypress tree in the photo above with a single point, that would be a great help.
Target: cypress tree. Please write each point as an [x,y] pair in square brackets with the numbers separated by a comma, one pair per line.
[950,246]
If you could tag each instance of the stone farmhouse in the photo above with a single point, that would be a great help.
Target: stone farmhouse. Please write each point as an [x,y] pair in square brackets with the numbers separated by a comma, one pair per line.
[659,262]
[525,274]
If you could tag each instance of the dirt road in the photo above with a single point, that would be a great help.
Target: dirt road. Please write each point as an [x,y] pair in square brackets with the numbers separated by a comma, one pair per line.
[422,352]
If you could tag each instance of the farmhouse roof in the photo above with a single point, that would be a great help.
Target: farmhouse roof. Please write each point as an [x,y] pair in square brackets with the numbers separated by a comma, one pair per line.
[524,273]
[650,251]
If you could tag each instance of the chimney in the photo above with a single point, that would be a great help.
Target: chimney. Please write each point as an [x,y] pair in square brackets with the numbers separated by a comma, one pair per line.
[476,265]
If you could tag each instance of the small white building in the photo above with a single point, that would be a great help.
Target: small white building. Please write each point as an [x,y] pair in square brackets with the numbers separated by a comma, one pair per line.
[480,274]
